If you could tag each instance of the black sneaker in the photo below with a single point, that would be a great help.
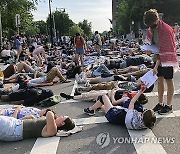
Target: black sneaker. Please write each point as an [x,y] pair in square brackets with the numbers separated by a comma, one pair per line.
[89,112]
[66,96]
[77,92]
[165,110]
[157,108]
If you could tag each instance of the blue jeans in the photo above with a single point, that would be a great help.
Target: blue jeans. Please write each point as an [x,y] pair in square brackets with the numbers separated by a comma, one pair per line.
[101,69]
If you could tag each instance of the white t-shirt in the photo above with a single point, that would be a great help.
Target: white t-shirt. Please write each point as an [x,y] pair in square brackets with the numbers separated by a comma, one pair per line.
[133,120]
[98,39]
[6,53]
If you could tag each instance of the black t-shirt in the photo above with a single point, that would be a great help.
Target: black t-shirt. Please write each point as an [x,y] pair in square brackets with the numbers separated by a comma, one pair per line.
[30,96]
[134,61]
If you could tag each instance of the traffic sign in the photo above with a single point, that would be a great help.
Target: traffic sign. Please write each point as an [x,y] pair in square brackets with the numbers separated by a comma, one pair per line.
[17,19]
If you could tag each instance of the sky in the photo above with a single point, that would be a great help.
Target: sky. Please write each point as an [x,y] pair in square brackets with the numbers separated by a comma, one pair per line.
[98,12]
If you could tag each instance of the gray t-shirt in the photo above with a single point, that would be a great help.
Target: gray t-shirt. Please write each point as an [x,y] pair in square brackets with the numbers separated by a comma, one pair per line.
[133,120]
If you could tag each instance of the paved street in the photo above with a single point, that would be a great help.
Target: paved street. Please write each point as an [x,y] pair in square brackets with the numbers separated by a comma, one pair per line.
[98,136]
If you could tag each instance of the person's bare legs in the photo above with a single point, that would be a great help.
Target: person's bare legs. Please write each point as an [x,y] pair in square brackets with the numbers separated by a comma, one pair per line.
[40,60]
[160,89]
[91,95]
[138,73]
[76,59]
[82,59]
[106,101]
[170,91]
[18,54]
[44,55]
[36,59]
[128,69]
[94,80]
[23,66]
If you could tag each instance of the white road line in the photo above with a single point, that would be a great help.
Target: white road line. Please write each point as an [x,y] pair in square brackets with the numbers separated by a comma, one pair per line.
[91,120]
[49,145]
[141,147]
[45,145]
[145,147]
[74,87]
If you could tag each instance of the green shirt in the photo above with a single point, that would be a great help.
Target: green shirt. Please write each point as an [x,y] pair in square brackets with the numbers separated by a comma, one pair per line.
[155,41]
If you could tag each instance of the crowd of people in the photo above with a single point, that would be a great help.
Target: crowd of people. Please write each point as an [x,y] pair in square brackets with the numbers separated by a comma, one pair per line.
[108,73]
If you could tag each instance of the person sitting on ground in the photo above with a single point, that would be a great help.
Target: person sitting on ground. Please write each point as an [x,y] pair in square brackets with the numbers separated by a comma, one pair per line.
[22,112]
[123,116]
[13,129]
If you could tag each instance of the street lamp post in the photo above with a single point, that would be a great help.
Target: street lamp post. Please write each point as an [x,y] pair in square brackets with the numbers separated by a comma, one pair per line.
[54,27]
[51,31]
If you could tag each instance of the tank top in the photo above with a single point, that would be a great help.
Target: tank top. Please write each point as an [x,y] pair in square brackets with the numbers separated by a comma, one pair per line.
[32,128]
[79,43]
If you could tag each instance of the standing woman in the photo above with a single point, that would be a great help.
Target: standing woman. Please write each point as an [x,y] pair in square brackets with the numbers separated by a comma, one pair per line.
[18,46]
[80,47]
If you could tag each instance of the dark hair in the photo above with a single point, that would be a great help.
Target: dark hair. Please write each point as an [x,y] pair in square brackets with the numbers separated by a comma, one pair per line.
[69,124]
[50,65]
[142,99]
[76,70]
[96,32]
[149,118]
[31,49]
[46,93]
[78,34]
[55,116]
[150,17]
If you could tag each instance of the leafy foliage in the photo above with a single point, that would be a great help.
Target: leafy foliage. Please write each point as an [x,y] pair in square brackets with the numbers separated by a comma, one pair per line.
[86,27]
[133,10]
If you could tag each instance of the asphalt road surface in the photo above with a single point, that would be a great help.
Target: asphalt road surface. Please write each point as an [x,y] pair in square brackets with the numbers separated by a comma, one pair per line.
[99,136]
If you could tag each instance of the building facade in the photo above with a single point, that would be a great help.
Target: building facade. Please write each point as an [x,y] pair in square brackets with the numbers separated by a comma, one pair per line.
[115,4]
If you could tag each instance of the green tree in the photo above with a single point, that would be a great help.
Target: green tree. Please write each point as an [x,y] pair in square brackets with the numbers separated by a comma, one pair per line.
[75,29]
[86,27]
[133,10]
[42,27]
[9,9]
[62,22]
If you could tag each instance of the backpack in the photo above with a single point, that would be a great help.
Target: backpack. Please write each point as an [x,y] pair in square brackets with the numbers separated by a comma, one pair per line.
[53,100]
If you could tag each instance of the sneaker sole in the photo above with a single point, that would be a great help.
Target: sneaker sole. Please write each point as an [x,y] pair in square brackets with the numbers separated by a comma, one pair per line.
[91,114]
[165,113]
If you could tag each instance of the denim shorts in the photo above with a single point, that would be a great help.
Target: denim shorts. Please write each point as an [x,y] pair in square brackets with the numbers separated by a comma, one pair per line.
[11,129]
[79,51]
[116,116]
